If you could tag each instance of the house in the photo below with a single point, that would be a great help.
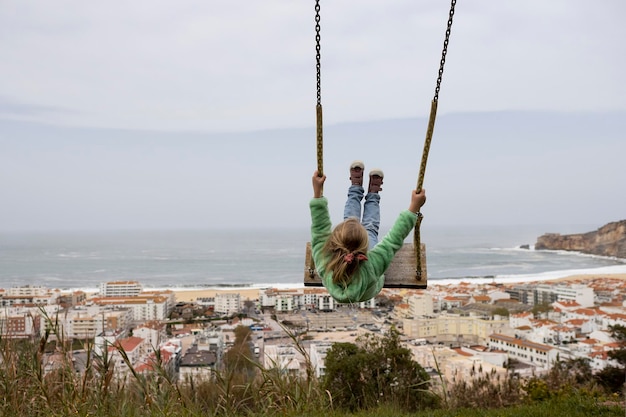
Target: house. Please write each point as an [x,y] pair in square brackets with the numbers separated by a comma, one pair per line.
[480,299]
[285,358]
[450,302]
[126,353]
[197,364]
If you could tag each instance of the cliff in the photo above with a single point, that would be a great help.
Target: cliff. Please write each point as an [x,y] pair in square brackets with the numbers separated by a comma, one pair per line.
[609,240]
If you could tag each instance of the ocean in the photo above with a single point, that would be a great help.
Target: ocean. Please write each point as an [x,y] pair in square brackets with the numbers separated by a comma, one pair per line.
[264,258]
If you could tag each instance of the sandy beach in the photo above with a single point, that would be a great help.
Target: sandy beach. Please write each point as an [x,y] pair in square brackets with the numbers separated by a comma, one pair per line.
[253,293]
[581,278]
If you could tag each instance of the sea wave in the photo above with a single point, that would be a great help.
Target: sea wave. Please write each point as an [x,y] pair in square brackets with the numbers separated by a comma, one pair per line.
[202,287]
[581,254]
[485,279]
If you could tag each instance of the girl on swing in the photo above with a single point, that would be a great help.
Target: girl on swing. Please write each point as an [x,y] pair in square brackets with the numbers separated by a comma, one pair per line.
[349,259]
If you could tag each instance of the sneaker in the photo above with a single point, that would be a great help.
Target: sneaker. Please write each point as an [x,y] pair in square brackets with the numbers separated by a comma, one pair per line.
[356,173]
[376,181]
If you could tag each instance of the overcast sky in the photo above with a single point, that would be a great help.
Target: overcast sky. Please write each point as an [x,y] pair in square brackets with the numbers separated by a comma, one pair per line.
[157,113]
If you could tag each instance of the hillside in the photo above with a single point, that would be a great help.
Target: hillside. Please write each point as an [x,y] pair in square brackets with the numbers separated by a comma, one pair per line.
[609,240]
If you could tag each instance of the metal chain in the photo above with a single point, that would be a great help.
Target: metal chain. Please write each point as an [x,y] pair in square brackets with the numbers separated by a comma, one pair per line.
[318,57]
[318,109]
[445,50]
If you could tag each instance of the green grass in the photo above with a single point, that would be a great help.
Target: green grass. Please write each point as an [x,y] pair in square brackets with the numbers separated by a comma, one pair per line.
[28,389]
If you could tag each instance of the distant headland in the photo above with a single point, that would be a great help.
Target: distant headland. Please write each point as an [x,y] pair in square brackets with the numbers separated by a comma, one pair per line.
[608,240]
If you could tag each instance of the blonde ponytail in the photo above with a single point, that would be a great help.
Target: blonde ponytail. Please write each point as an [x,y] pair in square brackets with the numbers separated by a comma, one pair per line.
[345,249]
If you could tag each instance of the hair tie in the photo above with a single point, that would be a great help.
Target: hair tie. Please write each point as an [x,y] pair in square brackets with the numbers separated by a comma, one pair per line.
[349,257]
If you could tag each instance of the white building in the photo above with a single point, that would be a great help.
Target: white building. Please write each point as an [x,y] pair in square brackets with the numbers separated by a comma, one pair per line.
[497,295]
[317,356]
[602,336]
[609,320]
[29,291]
[552,334]
[29,295]
[103,340]
[581,294]
[421,304]
[169,295]
[326,303]
[227,304]
[283,357]
[302,299]
[153,333]
[133,349]
[143,308]
[523,319]
[208,302]
[284,302]
[87,322]
[537,354]
[120,289]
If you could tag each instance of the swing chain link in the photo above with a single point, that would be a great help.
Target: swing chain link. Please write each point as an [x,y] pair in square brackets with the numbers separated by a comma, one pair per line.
[318,48]
[318,108]
[444,52]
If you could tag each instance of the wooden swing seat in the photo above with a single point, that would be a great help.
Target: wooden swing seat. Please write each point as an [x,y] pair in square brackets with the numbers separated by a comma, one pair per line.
[400,274]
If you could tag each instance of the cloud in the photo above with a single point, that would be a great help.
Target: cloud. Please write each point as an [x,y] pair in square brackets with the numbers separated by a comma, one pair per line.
[241,65]
[14,109]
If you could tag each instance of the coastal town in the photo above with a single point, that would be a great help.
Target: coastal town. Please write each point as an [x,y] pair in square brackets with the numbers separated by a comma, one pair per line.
[454,329]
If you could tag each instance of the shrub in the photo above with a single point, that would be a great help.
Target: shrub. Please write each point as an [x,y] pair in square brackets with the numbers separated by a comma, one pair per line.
[374,371]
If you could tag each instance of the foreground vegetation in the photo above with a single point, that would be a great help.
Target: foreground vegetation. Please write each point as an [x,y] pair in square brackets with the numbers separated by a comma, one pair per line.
[375,377]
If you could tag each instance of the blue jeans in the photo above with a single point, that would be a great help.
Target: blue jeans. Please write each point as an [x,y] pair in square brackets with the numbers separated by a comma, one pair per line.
[371,211]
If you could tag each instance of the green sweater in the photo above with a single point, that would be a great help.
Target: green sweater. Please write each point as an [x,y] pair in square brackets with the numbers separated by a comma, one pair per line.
[370,279]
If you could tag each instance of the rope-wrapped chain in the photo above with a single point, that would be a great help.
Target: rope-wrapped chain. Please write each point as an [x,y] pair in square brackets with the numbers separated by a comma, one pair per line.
[429,130]
[429,135]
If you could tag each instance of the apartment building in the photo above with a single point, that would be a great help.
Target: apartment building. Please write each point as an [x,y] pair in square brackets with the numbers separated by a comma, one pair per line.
[536,294]
[539,355]
[283,357]
[28,295]
[133,355]
[420,305]
[29,291]
[143,308]
[19,323]
[153,333]
[227,304]
[120,289]
[454,329]
[85,323]
[317,356]
[303,299]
